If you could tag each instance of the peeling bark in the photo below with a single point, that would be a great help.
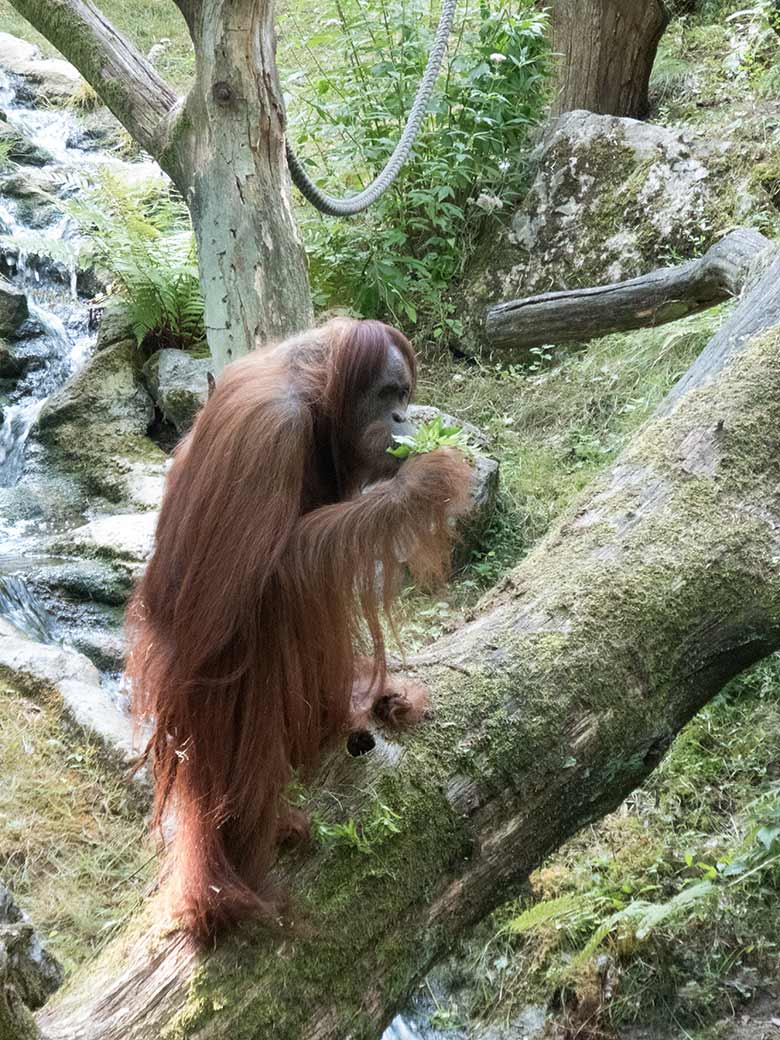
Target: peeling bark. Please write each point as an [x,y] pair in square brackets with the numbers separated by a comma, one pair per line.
[658,586]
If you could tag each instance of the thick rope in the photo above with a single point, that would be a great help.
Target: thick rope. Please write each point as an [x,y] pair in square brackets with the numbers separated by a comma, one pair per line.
[356,203]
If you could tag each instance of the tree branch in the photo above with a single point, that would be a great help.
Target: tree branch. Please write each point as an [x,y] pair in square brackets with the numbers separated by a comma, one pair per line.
[577,315]
[140,99]
[658,586]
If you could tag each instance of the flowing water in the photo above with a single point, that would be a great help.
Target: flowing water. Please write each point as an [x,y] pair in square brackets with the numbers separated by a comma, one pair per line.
[52,343]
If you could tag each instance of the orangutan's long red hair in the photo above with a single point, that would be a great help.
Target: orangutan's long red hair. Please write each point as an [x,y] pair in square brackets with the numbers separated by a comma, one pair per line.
[262,587]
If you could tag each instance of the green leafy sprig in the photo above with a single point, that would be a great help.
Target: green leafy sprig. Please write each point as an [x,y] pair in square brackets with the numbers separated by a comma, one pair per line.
[428,437]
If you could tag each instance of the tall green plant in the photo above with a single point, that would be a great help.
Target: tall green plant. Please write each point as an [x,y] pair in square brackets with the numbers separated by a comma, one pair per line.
[348,102]
[141,235]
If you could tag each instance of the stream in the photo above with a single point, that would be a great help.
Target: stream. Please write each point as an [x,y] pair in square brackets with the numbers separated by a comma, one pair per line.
[53,343]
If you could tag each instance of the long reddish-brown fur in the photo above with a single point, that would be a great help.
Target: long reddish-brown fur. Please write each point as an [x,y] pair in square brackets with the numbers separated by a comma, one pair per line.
[262,590]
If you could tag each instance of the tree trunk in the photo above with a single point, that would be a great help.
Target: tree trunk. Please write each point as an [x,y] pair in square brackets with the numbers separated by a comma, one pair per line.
[223,146]
[671,293]
[229,161]
[658,586]
[605,52]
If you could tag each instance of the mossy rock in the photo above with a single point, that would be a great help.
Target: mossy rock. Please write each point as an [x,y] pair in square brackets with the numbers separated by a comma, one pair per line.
[115,325]
[95,426]
[611,199]
[178,383]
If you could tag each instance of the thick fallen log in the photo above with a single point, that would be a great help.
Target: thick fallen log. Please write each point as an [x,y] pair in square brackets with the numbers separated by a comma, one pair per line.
[563,693]
[671,293]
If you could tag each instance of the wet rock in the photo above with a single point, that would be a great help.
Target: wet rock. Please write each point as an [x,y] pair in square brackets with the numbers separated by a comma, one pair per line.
[42,669]
[21,149]
[91,282]
[114,325]
[484,491]
[96,130]
[611,199]
[122,536]
[50,81]
[13,308]
[178,383]
[95,426]
[88,139]
[87,580]
[106,649]
[12,367]
[32,971]
[35,184]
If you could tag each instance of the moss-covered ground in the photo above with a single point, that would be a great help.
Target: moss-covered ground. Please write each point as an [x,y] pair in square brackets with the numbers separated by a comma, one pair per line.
[73,848]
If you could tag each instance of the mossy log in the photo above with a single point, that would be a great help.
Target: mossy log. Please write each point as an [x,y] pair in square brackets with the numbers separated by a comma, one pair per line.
[668,294]
[659,585]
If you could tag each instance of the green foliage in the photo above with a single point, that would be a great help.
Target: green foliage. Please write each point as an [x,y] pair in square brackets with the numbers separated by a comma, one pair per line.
[428,437]
[5,151]
[141,235]
[759,25]
[399,259]
[363,837]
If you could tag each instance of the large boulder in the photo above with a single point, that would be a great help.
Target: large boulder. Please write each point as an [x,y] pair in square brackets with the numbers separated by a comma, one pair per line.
[13,308]
[178,383]
[611,199]
[50,81]
[95,427]
[32,971]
